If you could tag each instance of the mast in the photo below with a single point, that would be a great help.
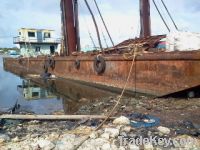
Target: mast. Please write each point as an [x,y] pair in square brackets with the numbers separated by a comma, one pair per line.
[77,25]
[69,29]
[145,20]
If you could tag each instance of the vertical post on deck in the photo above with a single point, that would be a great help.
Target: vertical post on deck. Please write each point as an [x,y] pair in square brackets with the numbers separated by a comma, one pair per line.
[69,30]
[77,25]
[145,20]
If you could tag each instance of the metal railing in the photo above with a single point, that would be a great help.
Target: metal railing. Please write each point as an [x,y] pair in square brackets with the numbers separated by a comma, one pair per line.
[18,39]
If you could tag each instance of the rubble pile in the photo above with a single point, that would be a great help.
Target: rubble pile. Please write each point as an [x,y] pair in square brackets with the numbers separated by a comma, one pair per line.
[114,135]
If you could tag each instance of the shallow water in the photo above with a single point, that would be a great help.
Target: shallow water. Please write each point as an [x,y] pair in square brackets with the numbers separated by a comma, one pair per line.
[44,96]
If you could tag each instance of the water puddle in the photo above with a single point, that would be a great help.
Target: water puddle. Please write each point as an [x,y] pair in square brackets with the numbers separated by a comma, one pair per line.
[41,96]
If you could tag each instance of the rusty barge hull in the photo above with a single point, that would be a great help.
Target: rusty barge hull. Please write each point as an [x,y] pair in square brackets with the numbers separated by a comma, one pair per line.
[153,73]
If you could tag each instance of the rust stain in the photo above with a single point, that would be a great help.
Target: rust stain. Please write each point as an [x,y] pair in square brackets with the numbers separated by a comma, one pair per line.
[153,73]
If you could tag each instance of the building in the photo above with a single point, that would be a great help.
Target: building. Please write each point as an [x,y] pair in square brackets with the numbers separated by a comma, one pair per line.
[35,42]
[30,91]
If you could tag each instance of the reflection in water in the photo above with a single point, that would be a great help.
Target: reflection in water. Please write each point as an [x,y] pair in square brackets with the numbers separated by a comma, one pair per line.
[73,95]
[45,96]
[31,91]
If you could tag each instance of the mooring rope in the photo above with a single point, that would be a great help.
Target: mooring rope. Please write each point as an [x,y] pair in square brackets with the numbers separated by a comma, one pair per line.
[135,50]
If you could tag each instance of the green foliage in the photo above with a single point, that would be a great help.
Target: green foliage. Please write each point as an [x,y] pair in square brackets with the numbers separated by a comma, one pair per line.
[7,49]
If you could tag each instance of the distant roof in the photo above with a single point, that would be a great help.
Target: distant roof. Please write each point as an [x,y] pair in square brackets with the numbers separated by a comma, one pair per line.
[36,29]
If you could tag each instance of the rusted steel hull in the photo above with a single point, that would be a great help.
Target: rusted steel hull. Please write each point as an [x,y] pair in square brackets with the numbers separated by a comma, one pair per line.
[153,73]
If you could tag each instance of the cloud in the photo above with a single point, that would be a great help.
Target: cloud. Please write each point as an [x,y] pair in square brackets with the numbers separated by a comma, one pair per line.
[27,13]
[121,16]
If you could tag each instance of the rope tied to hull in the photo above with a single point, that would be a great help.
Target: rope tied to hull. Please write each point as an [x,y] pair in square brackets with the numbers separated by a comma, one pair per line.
[135,50]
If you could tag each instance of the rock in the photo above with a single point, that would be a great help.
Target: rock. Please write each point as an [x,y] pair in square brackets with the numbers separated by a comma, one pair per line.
[106,146]
[113,147]
[163,130]
[105,136]
[190,142]
[63,145]
[68,137]
[94,144]
[121,148]
[133,147]
[53,136]
[34,122]
[94,135]
[44,144]
[100,142]
[112,132]
[121,121]
[16,139]
[125,129]
[4,138]
[148,147]
[123,134]
[67,141]
[34,135]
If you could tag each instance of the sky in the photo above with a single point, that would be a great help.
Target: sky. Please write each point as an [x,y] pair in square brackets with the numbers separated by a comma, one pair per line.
[121,17]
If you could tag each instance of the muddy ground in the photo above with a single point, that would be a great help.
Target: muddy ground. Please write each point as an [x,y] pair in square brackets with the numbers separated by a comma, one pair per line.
[180,116]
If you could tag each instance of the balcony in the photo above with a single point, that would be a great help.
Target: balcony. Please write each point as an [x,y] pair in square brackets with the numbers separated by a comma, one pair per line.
[20,40]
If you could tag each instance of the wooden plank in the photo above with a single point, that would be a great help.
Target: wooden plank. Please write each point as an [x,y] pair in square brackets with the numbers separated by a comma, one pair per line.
[52,117]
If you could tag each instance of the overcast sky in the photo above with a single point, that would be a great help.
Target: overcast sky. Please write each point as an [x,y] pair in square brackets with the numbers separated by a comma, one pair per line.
[121,16]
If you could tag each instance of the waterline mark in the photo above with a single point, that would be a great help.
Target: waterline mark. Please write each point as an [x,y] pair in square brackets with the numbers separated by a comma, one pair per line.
[156,141]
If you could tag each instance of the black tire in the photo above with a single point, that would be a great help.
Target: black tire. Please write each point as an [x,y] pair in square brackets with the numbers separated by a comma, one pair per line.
[46,66]
[99,64]
[20,61]
[52,64]
[77,64]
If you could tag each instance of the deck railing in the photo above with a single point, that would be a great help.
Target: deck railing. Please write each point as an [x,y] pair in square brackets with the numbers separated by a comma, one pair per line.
[18,39]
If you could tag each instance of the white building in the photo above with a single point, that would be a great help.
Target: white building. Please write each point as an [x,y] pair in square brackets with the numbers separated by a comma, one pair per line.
[35,42]
[31,91]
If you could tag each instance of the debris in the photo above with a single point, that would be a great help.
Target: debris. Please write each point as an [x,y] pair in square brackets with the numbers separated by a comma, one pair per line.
[163,130]
[133,147]
[140,120]
[105,136]
[148,146]
[44,144]
[121,121]
[93,135]
[16,139]
[4,138]
[112,132]
[125,129]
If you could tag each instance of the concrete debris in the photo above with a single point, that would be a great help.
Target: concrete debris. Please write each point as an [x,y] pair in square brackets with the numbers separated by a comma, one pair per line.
[112,132]
[4,138]
[121,121]
[52,136]
[44,144]
[163,130]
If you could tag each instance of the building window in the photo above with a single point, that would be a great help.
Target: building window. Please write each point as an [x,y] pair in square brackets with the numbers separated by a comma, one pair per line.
[31,34]
[19,33]
[52,49]
[47,35]
[35,94]
[37,49]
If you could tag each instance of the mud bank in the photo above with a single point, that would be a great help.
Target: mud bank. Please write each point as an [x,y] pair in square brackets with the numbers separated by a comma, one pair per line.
[179,121]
